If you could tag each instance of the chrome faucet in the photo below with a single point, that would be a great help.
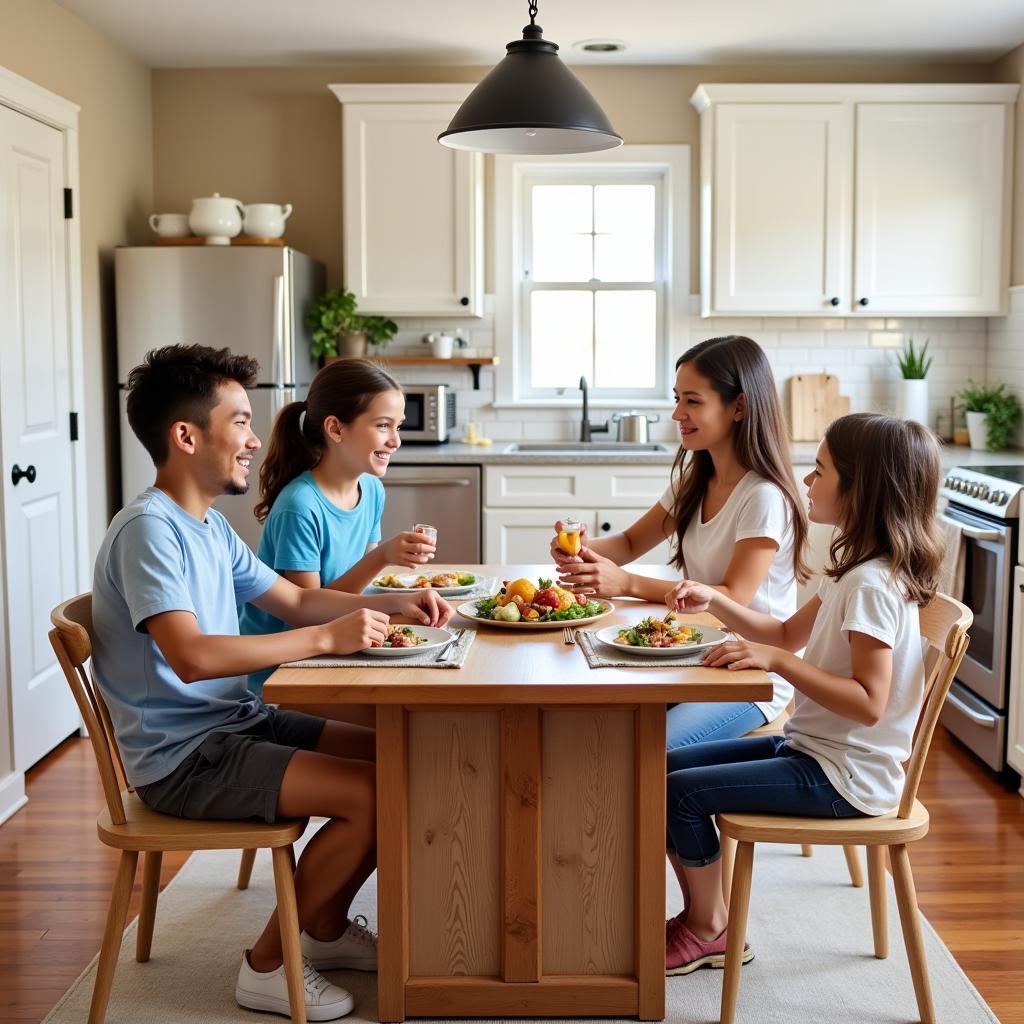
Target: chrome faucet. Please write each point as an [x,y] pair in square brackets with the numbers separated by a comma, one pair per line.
[586,427]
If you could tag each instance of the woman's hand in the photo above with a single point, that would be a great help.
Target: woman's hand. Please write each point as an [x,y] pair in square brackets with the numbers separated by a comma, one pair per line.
[690,597]
[559,556]
[410,549]
[426,607]
[743,654]
[590,572]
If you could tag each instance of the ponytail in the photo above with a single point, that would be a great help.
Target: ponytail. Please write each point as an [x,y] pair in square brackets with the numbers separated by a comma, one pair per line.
[289,453]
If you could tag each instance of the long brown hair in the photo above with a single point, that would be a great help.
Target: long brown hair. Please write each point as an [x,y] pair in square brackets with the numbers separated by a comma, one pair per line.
[889,471]
[735,365]
[343,389]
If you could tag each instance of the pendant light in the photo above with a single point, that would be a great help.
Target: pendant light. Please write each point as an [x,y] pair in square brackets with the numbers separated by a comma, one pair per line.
[530,103]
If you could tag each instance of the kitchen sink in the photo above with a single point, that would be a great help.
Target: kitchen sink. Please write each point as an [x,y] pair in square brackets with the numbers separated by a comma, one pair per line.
[586,448]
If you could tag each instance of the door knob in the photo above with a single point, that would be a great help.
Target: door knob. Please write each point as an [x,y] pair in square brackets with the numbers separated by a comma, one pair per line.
[17,473]
[605,527]
[834,301]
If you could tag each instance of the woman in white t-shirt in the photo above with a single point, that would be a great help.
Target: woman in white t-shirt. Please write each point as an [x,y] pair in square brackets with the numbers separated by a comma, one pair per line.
[859,683]
[731,510]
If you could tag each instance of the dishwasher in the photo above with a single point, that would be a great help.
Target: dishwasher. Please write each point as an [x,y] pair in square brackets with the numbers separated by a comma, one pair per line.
[446,497]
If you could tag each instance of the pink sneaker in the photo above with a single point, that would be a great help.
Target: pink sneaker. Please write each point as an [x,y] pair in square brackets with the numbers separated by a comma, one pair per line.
[684,952]
[673,923]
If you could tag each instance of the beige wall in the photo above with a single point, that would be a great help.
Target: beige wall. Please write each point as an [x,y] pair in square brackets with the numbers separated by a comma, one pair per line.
[44,43]
[274,134]
[1011,69]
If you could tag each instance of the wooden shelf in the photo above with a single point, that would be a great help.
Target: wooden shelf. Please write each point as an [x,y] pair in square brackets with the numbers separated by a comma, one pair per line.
[473,362]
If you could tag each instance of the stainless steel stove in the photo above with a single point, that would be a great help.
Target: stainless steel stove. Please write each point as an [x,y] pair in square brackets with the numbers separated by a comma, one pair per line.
[985,502]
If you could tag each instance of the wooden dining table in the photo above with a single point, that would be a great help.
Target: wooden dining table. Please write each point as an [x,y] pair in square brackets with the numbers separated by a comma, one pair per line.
[521,819]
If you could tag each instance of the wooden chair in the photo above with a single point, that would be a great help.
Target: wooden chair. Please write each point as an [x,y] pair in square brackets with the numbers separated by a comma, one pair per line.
[128,825]
[944,624]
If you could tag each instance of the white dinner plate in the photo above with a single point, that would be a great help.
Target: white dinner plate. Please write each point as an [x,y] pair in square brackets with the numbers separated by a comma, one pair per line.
[713,636]
[408,580]
[436,637]
[468,611]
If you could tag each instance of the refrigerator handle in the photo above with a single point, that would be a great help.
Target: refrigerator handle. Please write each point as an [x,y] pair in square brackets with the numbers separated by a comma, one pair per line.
[277,367]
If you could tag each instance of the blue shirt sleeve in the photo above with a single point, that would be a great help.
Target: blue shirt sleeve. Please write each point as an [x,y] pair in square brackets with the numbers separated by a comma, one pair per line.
[296,541]
[249,575]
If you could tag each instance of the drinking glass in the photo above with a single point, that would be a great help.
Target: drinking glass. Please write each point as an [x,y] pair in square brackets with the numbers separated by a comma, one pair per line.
[569,539]
[429,532]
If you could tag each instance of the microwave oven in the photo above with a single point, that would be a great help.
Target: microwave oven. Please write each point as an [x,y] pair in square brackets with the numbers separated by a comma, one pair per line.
[429,413]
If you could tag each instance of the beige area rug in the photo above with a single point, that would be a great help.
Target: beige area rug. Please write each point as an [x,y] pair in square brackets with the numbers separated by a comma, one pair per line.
[810,930]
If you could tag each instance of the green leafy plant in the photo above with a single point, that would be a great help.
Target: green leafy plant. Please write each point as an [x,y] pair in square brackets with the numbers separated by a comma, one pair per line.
[1001,408]
[914,363]
[333,314]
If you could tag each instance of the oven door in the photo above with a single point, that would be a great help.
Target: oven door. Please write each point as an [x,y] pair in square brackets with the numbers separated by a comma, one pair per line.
[987,592]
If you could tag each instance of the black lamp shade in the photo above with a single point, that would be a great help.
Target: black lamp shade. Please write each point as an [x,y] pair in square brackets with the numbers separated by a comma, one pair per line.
[530,103]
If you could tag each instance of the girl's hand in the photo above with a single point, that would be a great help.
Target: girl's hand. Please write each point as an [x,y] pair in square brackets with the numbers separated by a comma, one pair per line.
[590,572]
[690,597]
[559,556]
[426,607]
[410,549]
[743,654]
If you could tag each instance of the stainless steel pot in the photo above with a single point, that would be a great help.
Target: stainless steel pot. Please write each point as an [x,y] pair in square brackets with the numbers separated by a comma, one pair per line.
[632,426]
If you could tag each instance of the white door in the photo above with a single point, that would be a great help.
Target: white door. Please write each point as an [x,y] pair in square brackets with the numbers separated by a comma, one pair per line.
[929,199]
[38,515]
[781,208]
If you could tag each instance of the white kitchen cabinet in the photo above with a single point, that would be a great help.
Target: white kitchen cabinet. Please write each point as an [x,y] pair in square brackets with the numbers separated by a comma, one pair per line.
[413,209]
[855,200]
[615,520]
[514,536]
[1015,716]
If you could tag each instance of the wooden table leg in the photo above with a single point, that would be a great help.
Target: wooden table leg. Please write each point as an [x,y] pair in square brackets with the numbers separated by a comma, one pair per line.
[650,861]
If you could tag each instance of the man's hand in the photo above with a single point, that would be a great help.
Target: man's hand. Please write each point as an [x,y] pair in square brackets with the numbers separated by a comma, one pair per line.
[356,631]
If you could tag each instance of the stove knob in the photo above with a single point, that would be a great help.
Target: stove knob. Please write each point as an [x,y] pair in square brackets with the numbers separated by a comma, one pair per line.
[983,492]
[1003,498]
[955,482]
[972,490]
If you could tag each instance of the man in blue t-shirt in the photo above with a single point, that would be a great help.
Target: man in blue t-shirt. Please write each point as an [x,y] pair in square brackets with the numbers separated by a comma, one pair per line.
[172,668]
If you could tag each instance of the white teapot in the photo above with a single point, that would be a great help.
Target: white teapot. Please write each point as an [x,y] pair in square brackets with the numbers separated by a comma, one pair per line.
[265,220]
[216,217]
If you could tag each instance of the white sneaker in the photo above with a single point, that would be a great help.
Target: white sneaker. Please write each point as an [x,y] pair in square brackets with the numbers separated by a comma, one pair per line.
[269,991]
[355,950]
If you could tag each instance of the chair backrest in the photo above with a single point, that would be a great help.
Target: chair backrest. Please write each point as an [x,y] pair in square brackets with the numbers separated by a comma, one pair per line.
[944,624]
[71,638]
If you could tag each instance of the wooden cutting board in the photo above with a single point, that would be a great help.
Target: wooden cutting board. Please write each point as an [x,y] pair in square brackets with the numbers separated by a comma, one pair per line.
[814,402]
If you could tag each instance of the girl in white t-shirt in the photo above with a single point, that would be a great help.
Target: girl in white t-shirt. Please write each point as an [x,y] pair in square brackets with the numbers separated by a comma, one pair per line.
[859,683]
[731,510]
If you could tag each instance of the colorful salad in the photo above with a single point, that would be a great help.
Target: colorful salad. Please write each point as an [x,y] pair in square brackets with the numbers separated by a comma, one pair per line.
[402,636]
[439,579]
[523,600]
[652,632]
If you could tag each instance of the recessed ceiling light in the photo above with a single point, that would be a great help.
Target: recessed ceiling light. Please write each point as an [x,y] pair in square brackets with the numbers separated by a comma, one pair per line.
[600,45]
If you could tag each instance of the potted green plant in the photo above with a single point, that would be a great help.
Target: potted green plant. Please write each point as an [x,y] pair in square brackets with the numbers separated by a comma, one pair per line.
[992,414]
[340,331]
[912,397]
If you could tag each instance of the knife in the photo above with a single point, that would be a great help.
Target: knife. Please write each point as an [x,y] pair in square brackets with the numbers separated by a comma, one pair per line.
[450,646]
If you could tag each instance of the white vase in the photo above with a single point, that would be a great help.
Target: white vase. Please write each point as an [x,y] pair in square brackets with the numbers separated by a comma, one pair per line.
[977,428]
[912,400]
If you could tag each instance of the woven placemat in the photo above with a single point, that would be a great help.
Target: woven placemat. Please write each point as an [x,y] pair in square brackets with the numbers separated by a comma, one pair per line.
[425,659]
[599,655]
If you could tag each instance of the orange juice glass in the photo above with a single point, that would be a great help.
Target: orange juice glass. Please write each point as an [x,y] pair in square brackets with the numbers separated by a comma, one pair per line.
[569,539]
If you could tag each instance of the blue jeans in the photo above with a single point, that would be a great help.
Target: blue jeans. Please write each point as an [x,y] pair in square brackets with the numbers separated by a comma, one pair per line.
[698,723]
[756,775]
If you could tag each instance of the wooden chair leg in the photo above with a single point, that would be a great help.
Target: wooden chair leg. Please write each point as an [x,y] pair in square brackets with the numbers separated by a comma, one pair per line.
[853,866]
[288,922]
[147,912]
[113,932]
[806,850]
[728,859]
[245,868]
[910,919]
[879,905]
[739,905]
[291,857]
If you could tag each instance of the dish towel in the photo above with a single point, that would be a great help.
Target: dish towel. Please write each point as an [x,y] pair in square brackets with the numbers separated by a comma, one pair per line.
[424,659]
[599,655]
[953,568]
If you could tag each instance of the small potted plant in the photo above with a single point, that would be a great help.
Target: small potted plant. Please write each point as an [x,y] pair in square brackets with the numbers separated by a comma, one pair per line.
[992,414]
[340,332]
[912,397]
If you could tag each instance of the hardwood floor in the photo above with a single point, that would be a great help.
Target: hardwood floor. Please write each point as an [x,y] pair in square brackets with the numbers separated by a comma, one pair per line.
[55,880]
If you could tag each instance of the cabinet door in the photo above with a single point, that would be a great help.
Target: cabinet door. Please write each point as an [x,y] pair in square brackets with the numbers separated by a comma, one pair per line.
[513,536]
[616,520]
[412,212]
[781,208]
[1015,718]
[929,195]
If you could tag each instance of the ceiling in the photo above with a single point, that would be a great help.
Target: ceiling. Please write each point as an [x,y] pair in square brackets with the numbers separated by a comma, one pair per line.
[246,33]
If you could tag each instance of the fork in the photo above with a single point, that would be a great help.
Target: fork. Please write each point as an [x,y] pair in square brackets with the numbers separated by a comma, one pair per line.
[568,635]
[446,652]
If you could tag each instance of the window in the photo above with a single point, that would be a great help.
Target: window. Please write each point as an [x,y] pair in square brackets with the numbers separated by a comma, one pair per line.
[595,279]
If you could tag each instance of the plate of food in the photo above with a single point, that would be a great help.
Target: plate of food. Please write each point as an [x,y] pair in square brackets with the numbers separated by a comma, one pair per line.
[449,583]
[662,638]
[401,641]
[535,604]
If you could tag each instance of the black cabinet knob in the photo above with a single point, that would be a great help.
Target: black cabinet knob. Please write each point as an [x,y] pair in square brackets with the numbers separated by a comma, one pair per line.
[605,527]
[862,302]
[17,473]
[464,301]
[834,301]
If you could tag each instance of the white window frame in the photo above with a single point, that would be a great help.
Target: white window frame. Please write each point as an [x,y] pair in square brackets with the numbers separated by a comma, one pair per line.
[669,166]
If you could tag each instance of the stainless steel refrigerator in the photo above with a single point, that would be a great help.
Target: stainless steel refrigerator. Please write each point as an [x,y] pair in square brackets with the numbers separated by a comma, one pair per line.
[251,299]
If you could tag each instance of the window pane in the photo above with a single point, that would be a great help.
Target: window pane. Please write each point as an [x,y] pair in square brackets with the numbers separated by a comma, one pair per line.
[624,222]
[563,221]
[625,333]
[561,338]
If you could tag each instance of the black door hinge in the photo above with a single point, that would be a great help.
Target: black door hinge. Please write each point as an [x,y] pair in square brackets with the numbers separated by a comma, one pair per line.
[73,425]
[68,207]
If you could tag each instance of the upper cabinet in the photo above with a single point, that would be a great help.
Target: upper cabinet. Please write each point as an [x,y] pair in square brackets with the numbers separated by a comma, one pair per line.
[412,208]
[861,200]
